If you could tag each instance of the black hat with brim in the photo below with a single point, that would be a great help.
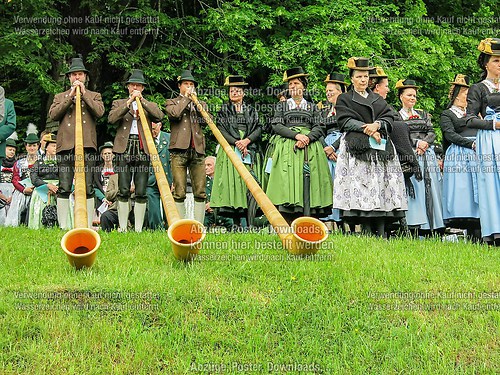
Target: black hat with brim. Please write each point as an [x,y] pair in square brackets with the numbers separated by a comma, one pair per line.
[292,73]
[378,72]
[235,81]
[490,46]
[406,84]
[359,63]
[336,78]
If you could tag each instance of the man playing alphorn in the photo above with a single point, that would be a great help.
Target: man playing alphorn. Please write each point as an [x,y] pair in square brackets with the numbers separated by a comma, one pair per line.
[63,109]
[187,146]
[130,147]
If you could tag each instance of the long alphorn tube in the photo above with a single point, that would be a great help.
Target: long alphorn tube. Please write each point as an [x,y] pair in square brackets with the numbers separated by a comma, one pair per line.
[305,234]
[186,235]
[81,243]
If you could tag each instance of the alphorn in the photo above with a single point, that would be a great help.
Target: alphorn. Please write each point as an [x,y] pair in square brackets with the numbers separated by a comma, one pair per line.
[81,243]
[185,235]
[305,234]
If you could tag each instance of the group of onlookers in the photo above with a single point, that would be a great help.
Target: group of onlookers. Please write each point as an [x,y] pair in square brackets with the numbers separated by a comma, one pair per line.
[383,162]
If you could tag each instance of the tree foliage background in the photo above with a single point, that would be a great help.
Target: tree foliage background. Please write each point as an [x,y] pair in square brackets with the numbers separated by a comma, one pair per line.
[429,41]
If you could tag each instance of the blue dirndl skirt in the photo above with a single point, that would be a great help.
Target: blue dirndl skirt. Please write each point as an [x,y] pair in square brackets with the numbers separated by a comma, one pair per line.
[330,140]
[488,181]
[417,214]
[460,184]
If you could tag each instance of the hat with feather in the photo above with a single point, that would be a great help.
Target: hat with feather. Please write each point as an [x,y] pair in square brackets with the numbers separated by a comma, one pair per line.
[31,134]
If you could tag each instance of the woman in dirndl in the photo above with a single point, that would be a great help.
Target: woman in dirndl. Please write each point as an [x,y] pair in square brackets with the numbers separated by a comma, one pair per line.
[335,85]
[425,209]
[400,137]
[21,179]
[44,177]
[483,113]
[460,190]
[369,187]
[282,96]
[299,181]
[239,124]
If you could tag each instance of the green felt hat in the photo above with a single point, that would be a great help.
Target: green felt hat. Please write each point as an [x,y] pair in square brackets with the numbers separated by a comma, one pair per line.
[31,134]
[108,144]
[137,76]
[186,75]
[77,66]
[11,140]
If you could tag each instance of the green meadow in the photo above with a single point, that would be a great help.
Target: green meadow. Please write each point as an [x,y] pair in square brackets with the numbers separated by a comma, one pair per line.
[359,306]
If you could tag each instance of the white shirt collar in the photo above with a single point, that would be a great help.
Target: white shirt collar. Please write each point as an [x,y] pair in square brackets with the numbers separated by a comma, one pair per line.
[490,85]
[459,112]
[364,94]
[405,115]
[292,105]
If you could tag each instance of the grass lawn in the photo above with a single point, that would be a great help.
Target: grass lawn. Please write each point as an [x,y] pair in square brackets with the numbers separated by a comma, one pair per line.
[361,305]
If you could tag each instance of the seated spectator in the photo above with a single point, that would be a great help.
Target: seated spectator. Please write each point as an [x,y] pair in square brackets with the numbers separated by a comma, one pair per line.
[109,218]
[45,178]
[6,172]
[101,177]
[18,211]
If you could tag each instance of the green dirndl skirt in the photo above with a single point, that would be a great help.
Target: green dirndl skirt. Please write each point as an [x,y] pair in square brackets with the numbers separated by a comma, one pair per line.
[268,156]
[38,202]
[286,180]
[229,191]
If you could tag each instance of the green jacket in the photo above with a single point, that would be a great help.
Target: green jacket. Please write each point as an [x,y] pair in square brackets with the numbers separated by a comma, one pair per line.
[8,125]
[208,187]
[164,155]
